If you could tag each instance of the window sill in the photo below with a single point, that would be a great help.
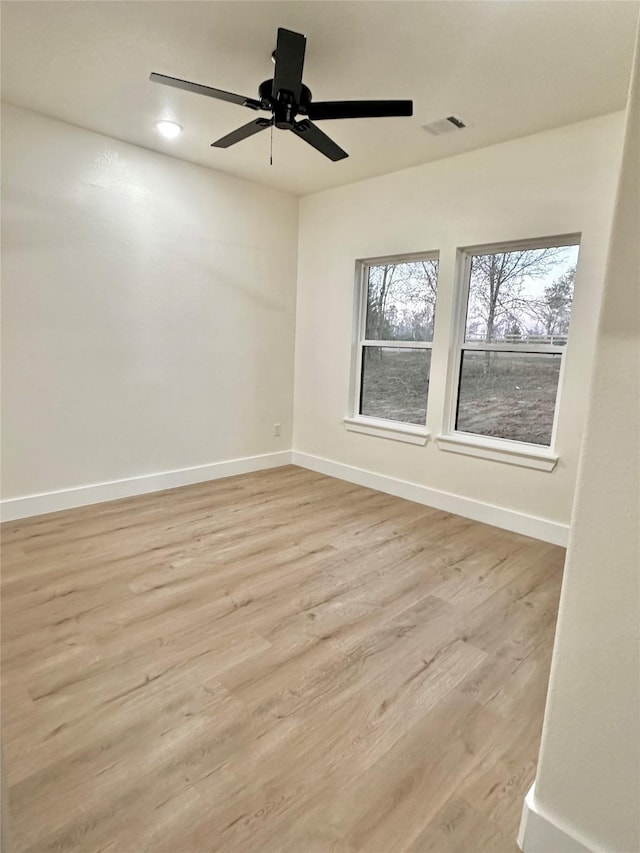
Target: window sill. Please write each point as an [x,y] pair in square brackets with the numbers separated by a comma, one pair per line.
[512,453]
[409,433]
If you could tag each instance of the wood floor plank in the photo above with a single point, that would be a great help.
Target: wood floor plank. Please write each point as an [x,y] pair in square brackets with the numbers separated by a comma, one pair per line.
[459,828]
[279,661]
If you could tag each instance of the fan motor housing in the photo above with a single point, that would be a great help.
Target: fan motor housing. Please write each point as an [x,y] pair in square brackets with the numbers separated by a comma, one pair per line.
[284,107]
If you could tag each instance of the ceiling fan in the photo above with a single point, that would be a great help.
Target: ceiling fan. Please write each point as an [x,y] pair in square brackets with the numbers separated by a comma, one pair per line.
[286,98]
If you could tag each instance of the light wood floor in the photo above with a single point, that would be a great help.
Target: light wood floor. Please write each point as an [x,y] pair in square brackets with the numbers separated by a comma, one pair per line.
[274,662]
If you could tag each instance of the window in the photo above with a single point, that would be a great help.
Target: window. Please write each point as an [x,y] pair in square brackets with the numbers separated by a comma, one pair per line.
[396,311]
[511,336]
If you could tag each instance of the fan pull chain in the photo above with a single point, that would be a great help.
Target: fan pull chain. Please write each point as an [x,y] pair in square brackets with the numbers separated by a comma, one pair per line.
[271,147]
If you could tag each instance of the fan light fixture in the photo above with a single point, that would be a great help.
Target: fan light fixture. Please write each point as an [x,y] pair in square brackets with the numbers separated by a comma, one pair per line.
[169,129]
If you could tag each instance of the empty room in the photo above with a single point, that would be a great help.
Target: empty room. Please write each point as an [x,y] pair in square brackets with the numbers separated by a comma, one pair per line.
[320,426]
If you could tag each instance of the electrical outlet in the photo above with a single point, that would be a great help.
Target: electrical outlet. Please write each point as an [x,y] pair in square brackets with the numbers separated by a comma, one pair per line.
[276,430]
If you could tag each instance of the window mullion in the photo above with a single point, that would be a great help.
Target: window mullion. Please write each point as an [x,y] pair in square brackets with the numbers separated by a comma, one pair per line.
[461,297]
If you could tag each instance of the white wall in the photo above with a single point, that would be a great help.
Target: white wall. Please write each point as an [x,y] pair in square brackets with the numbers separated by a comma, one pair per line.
[148,310]
[588,780]
[559,182]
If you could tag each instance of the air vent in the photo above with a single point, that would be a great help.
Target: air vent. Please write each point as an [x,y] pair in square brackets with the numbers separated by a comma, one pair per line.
[444,125]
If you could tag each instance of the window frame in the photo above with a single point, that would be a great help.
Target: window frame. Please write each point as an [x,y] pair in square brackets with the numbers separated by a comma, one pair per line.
[521,453]
[355,421]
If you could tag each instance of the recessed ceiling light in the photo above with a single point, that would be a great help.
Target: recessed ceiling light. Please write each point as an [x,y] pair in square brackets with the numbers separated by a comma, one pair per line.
[444,125]
[169,129]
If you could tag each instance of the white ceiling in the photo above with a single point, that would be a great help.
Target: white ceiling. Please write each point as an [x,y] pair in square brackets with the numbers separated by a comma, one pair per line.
[507,67]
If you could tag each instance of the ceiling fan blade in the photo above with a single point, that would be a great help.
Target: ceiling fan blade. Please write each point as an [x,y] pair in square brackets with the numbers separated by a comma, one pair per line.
[320,141]
[243,132]
[205,90]
[289,63]
[358,109]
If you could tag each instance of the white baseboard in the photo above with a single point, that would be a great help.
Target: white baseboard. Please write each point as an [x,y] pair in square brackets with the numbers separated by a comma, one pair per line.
[540,834]
[518,522]
[528,525]
[14,508]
